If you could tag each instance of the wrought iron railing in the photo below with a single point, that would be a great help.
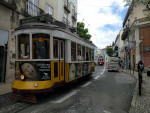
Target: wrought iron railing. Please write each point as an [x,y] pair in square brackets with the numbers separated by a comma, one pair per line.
[67,6]
[8,3]
[33,10]
[65,20]
[74,14]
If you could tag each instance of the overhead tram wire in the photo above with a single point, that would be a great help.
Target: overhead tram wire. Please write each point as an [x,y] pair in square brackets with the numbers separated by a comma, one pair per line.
[94,5]
[87,24]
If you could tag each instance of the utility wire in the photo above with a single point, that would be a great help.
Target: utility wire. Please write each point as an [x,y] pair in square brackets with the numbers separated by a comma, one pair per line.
[87,24]
[94,5]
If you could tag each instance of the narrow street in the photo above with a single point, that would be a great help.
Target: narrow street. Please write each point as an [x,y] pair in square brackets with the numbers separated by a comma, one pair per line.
[103,92]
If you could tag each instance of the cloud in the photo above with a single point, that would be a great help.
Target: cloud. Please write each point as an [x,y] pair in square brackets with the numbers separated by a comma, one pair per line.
[103,18]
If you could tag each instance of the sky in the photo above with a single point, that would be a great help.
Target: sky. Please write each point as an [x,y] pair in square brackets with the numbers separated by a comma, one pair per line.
[103,18]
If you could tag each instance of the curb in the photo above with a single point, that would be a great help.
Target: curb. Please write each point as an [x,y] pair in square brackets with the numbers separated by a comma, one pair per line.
[5,88]
[135,91]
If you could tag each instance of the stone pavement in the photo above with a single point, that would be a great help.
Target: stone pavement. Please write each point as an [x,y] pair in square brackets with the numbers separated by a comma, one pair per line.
[5,88]
[140,104]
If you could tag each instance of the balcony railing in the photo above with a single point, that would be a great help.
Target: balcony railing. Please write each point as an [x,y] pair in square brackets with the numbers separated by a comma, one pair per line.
[8,3]
[67,6]
[65,20]
[74,14]
[32,10]
[125,33]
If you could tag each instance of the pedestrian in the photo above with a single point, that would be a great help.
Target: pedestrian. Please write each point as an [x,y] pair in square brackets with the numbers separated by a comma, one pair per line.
[122,64]
[140,67]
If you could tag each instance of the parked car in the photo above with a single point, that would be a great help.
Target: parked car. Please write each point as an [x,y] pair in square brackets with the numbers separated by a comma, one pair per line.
[113,67]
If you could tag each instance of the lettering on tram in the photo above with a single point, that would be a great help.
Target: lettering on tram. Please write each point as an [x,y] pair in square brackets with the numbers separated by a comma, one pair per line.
[47,55]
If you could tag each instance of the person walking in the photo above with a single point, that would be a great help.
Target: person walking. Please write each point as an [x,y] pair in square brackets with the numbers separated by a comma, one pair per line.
[140,67]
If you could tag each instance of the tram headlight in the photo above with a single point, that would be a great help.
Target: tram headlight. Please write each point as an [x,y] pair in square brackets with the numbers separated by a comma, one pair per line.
[36,84]
[22,77]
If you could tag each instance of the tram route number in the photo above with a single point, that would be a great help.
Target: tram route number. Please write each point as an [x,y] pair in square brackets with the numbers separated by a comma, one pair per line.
[34,19]
[42,18]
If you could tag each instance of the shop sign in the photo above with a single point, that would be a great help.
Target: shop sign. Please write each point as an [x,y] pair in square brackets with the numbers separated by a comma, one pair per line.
[147,49]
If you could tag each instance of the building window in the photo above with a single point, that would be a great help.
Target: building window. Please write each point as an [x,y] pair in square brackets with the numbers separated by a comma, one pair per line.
[73,51]
[33,7]
[3,53]
[23,46]
[65,19]
[49,9]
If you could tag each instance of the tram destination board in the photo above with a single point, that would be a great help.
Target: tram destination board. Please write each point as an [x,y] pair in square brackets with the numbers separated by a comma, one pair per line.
[42,18]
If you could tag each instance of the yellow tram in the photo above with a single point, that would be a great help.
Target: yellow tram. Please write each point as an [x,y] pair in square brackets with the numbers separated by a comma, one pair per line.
[47,54]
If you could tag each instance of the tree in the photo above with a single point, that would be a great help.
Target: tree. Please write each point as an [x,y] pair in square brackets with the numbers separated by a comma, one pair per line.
[109,51]
[82,32]
[113,43]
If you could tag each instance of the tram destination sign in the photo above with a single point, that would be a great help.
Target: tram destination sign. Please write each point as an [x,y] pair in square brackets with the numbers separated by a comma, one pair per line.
[46,18]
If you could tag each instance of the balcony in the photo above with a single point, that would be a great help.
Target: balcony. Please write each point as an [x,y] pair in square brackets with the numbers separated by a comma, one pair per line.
[67,6]
[8,3]
[74,14]
[31,9]
[125,33]
[65,21]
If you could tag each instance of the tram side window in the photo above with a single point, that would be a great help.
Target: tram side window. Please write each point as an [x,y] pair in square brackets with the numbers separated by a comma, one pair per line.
[79,58]
[73,51]
[55,48]
[23,46]
[41,45]
[87,54]
[62,49]
[83,53]
[92,52]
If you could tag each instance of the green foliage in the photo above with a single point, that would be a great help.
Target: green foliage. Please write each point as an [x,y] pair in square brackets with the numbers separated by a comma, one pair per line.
[82,32]
[109,51]
[113,43]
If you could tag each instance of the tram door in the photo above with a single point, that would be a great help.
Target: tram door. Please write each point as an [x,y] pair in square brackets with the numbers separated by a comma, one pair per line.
[58,54]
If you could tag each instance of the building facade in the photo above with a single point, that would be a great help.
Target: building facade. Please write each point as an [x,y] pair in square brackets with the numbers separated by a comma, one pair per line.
[12,11]
[136,35]
[119,46]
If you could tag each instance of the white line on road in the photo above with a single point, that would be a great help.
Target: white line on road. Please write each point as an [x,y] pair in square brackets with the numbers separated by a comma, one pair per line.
[67,96]
[96,77]
[106,111]
[88,83]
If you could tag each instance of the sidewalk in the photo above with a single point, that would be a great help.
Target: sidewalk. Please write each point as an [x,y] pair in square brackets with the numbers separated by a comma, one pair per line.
[5,88]
[140,104]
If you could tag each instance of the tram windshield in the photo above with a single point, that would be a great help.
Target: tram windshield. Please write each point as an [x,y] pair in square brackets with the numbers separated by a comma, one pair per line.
[41,45]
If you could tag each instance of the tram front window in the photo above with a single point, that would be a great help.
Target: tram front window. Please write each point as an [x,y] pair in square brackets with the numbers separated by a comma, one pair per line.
[23,46]
[41,44]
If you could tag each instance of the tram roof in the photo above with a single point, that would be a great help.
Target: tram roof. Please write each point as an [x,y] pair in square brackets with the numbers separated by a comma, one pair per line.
[51,26]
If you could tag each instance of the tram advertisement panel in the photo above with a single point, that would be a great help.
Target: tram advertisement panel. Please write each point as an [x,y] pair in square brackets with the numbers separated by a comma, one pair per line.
[37,71]
[78,69]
